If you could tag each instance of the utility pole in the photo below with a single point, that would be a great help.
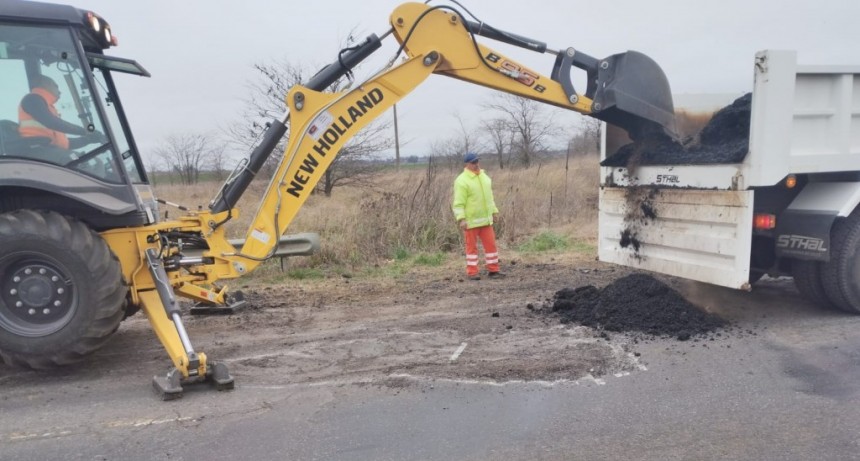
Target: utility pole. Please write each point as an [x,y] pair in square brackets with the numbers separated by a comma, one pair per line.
[396,140]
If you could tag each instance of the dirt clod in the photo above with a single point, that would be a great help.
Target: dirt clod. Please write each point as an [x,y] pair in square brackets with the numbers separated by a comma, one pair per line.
[629,238]
[635,303]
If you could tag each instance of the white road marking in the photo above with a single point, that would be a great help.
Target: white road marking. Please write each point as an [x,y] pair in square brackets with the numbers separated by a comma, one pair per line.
[26,436]
[590,377]
[146,422]
[587,379]
[458,352]
[14,437]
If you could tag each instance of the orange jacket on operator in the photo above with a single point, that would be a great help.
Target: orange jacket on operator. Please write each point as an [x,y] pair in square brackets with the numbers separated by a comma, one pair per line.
[29,127]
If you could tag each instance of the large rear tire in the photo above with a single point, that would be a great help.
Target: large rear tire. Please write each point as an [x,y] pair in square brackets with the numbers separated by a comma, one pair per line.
[62,292]
[841,275]
[807,279]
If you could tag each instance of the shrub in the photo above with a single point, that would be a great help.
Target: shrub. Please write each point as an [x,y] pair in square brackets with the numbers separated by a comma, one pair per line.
[545,241]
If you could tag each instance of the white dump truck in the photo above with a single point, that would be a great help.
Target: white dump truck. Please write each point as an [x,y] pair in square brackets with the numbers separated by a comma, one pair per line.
[787,206]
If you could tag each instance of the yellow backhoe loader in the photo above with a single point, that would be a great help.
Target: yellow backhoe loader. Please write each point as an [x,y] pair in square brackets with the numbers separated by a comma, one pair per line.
[81,243]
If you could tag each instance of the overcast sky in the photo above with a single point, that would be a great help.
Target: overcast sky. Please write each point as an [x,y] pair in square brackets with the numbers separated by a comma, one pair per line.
[201,52]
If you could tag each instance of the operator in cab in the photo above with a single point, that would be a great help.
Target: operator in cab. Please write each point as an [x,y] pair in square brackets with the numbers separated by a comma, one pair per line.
[38,118]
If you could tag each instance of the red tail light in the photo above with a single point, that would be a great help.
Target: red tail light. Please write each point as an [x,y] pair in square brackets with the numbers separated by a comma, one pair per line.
[764,221]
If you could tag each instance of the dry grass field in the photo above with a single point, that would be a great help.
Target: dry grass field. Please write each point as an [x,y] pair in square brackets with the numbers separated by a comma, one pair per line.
[405,215]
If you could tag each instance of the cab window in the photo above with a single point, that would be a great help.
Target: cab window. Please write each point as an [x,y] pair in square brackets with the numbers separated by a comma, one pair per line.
[41,63]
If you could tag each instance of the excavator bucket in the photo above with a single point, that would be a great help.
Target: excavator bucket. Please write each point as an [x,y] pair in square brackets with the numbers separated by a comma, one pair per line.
[632,92]
[627,89]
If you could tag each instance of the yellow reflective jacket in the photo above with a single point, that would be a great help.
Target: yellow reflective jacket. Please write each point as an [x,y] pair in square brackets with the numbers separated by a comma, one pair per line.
[473,199]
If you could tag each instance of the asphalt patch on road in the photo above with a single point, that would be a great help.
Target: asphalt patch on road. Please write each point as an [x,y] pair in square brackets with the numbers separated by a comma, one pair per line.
[636,303]
[725,139]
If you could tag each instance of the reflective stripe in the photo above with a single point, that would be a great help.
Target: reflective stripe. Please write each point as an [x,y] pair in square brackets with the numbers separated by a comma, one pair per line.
[475,257]
[491,255]
[478,222]
[470,263]
[30,124]
[492,261]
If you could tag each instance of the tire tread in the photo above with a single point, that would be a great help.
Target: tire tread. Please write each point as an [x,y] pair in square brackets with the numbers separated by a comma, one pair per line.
[835,276]
[108,294]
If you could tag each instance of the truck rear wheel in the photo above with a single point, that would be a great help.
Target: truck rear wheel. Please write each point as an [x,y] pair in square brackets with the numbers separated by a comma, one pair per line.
[841,275]
[61,289]
[807,279]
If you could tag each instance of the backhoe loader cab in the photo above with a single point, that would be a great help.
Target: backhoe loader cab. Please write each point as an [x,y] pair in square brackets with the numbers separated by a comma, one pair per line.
[93,173]
[69,169]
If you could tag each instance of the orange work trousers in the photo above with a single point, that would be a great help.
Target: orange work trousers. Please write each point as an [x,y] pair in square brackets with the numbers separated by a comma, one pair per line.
[488,241]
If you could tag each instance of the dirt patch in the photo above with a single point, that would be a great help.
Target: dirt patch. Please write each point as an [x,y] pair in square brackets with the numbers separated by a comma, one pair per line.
[635,303]
[725,139]
[430,324]
[427,325]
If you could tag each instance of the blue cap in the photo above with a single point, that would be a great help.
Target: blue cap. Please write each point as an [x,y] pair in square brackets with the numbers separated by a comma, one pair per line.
[470,157]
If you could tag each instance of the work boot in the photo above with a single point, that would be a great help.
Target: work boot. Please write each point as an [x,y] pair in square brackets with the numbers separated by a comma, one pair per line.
[497,275]
[474,277]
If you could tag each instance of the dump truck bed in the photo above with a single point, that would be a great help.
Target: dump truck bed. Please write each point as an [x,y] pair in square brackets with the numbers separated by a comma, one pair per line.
[695,220]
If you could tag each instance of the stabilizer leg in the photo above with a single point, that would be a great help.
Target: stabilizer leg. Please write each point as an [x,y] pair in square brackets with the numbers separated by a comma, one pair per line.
[169,387]
[221,377]
[163,311]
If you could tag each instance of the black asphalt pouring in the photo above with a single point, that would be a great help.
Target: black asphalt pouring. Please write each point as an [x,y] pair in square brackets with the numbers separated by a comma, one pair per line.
[725,139]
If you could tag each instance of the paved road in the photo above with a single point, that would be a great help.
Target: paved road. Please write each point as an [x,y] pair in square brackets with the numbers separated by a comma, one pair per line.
[784,386]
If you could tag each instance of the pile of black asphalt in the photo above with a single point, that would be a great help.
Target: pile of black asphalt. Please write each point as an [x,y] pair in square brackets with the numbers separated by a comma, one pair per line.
[637,303]
[725,139]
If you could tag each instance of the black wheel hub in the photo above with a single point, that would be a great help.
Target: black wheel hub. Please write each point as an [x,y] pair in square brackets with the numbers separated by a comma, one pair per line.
[38,297]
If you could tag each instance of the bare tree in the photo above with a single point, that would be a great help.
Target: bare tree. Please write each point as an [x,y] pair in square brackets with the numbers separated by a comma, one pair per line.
[587,139]
[218,159]
[187,155]
[266,101]
[446,151]
[153,167]
[451,150]
[469,141]
[530,122]
[353,165]
[499,134]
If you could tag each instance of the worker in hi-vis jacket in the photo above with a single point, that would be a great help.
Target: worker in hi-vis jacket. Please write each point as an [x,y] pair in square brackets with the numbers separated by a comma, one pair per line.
[475,210]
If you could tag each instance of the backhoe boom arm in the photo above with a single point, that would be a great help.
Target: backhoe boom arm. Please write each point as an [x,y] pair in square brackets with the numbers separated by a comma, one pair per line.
[435,40]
